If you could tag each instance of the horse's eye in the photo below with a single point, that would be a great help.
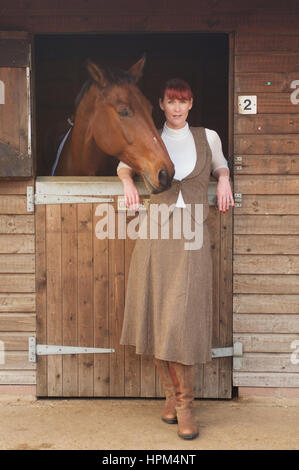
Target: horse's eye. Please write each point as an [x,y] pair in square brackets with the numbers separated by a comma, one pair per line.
[124,113]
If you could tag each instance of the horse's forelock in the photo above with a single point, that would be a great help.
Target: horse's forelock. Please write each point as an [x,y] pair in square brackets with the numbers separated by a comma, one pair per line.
[112,77]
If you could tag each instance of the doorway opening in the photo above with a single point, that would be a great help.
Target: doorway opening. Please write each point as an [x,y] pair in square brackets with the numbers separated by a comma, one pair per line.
[60,71]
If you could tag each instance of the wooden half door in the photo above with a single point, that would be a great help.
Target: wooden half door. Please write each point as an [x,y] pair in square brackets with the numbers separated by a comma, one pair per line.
[81,282]
[15,105]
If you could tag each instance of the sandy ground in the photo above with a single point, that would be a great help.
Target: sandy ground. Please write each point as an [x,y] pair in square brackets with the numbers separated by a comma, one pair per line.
[247,423]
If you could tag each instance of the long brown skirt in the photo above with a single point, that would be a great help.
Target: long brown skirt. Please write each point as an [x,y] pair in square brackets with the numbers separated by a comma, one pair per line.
[168,305]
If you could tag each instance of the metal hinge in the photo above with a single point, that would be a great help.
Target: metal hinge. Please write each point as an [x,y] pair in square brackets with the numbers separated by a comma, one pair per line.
[238,199]
[33,199]
[30,199]
[236,351]
[47,349]
[238,163]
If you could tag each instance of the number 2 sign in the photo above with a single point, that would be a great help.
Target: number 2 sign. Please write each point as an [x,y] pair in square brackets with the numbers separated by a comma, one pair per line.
[247,104]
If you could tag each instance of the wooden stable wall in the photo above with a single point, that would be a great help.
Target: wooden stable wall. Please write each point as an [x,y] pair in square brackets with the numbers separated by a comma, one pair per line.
[17,284]
[266,227]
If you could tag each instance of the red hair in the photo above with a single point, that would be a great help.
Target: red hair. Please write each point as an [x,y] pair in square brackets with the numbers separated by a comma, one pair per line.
[176,89]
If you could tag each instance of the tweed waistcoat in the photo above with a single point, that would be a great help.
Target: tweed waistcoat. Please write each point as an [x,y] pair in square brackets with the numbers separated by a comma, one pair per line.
[194,186]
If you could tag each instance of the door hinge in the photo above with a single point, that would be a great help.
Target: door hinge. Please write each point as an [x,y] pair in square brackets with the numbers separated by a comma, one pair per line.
[33,199]
[238,199]
[48,349]
[236,351]
[238,163]
[30,199]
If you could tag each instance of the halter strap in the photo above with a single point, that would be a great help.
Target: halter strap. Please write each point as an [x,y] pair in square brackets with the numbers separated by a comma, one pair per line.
[61,147]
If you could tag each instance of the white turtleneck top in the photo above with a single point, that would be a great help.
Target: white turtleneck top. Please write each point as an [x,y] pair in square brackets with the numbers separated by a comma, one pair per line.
[181,148]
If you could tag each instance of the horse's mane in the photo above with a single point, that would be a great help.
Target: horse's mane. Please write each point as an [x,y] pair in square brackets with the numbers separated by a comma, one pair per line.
[112,76]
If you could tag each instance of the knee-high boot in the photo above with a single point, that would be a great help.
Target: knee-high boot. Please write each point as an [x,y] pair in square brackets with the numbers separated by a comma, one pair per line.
[187,427]
[170,387]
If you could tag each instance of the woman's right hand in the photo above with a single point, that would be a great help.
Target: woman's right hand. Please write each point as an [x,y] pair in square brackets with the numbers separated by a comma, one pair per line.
[131,194]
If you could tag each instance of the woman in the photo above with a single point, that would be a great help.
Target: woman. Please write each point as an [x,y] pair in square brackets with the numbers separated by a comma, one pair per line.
[168,308]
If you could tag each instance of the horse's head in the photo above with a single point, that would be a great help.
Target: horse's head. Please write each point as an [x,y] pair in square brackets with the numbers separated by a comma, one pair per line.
[122,125]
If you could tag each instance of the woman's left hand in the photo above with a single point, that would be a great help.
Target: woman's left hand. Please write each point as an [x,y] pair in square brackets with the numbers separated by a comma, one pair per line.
[224,193]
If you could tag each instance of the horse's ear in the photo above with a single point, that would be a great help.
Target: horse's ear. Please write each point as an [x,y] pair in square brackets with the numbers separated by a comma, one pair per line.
[137,68]
[96,74]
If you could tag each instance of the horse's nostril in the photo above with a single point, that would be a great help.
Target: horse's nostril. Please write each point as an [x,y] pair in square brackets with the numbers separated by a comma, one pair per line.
[163,178]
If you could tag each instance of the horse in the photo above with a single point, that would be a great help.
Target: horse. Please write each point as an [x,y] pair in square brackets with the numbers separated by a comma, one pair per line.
[112,122]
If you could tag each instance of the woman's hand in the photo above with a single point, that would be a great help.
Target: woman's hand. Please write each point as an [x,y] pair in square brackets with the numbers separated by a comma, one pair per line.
[130,190]
[224,192]
[131,194]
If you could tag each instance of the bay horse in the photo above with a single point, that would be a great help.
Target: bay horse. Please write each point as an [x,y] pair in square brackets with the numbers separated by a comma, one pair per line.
[114,119]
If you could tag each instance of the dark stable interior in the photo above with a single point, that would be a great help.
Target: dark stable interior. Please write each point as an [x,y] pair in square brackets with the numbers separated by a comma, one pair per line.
[60,71]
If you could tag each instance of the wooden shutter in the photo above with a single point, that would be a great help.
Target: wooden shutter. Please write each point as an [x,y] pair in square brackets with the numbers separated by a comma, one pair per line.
[15,105]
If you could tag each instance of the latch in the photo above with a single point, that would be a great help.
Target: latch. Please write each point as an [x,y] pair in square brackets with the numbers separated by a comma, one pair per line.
[236,351]
[49,349]
[33,199]
[238,162]
[238,199]
[121,204]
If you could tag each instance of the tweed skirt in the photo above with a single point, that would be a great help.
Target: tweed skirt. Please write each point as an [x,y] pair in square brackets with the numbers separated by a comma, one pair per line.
[169,296]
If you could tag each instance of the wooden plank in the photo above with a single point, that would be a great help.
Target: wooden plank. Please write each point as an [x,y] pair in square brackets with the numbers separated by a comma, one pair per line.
[268,362]
[266,164]
[17,302]
[15,186]
[41,299]
[272,43]
[12,204]
[69,266]
[14,52]
[116,308]
[273,103]
[14,157]
[267,144]
[17,322]
[17,377]
[267,205]
[265,303]
[17,243]
[258,323]
[270,244]
[15,341]
[267,343]
[267,224]
[267,184]
[54,297]
[17,283]
[101,310]
[85,298]
[266,264]
[265,379]
[178,19]
[17,263]
[17,360]
[264,62]
[266,284]
[132,360]
[147,376]
[249,83]
[259,124]
[210,376]
[16,223]
[226,298]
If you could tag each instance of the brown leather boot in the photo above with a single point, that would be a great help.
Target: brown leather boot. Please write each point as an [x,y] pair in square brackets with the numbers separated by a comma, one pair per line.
[187,427]
[169,412]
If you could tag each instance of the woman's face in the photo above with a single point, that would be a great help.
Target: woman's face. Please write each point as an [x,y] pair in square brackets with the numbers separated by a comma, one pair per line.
[176,111]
